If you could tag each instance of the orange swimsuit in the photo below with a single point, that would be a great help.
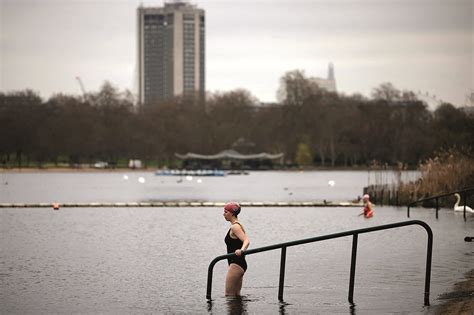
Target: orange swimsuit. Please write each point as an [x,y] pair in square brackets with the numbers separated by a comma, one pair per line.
[367,212]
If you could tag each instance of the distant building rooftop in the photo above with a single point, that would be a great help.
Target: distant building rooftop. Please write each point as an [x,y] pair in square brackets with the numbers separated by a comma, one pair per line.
[329,84]
[229,154]
[230,159]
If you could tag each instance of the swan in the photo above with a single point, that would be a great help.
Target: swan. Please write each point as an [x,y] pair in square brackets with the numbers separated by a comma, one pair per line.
[457,207]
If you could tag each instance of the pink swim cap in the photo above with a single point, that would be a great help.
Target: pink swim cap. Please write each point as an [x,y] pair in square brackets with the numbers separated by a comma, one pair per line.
[366,197]
[232,207]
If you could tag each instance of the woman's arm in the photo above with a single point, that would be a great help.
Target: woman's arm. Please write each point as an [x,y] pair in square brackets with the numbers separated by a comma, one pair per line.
[237,231]
[371,208]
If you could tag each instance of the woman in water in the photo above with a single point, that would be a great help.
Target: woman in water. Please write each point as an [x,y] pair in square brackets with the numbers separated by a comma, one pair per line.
[237,242]
[368,207]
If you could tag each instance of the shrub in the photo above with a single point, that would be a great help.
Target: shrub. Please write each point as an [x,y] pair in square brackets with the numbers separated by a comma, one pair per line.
[448,171]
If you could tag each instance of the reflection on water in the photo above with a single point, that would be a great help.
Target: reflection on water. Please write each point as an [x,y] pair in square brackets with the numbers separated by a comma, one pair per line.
[283,306]
[236,305]
[352,309]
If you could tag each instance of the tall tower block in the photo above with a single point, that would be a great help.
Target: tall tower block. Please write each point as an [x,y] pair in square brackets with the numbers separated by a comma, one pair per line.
[171,51]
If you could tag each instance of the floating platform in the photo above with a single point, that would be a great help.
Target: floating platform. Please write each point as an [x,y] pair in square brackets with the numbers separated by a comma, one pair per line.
[171,204]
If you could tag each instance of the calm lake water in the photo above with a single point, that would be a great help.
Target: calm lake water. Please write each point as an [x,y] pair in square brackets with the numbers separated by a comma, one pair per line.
[258,186]
[155,260]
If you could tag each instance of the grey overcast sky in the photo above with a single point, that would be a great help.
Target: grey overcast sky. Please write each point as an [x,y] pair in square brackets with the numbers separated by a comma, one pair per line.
[417,45]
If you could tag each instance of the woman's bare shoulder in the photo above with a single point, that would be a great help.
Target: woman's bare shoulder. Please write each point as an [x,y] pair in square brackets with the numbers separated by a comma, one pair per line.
[237,226]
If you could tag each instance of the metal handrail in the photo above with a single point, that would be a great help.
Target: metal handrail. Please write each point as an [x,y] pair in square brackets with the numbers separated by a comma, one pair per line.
[355,234]
[463,194]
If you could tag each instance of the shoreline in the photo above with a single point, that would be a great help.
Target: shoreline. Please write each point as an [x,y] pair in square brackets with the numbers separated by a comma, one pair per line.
[87,169]
[70,170]
[459,300]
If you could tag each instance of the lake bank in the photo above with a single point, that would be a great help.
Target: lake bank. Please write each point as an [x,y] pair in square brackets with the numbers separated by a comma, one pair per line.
[460,300]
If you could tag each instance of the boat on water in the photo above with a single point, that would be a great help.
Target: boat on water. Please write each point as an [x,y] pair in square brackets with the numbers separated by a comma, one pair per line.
[184,172]
[237,172]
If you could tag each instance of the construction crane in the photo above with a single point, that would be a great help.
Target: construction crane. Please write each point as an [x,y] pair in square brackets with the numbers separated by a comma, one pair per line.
[82,88]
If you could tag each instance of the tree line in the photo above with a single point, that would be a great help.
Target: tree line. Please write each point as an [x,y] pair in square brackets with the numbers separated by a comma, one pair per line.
[311,126]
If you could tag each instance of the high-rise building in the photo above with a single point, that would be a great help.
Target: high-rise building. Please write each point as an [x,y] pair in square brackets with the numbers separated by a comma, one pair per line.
[171,51]
[329,84]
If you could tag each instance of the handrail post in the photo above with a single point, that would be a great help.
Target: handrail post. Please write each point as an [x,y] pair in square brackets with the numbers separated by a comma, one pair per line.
[210,272]
[429,254]
[282,273]
[408,211]
[465,201]
[209,283]
[209,279]
[437,207]
[353,268]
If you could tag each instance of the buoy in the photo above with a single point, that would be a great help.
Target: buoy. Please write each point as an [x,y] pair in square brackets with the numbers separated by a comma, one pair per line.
[56,206]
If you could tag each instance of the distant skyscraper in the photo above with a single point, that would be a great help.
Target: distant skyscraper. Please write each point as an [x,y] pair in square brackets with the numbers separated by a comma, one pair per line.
[331,72]
[171,51]
[328,84]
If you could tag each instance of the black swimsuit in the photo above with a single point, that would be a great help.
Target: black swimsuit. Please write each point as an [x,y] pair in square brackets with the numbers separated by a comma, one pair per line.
[232,245]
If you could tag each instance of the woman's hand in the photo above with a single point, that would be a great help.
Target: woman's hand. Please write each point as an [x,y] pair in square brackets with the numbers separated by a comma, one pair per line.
[239,232]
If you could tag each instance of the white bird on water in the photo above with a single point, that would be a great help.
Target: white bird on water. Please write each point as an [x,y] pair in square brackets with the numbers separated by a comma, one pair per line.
[457,207]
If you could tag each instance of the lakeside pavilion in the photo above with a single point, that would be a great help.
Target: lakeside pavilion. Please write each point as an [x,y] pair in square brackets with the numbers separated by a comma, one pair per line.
[230,159]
